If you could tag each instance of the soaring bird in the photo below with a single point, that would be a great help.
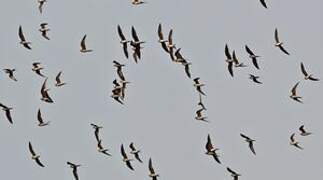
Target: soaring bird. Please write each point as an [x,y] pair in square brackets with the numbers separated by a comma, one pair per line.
[210,150]
[41,4]
[74,167]
[303,131]
[171,46]
[58,80]
[123,41]
[96,131]
[293,142]
[136,43]
[152,172]
[233,174]
[10,73]
[101,148]
[254,78]
[229,59]
[138,2]
[252,56]
[83,46]
[34,156]
[199,115]
[236,61]
[125,158]
[135,152]
[250,142]
[263,3]
[44,93]
[278,43]
[161,39]
[41,122]
[198,85]
[306,75]
[43,29]
[37,68]
[294,95]
[7,111]
[23,41]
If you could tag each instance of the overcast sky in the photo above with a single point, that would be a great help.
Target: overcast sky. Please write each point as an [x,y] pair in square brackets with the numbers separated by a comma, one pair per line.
[158,115]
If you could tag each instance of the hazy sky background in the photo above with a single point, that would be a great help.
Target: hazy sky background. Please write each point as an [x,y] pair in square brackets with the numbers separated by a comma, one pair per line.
[161,101]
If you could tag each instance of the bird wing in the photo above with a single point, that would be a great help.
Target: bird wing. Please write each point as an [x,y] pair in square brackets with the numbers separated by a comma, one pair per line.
[132,147]
[248,50]
[170,36]
[231,171]
[276,36]
[76,176]
[187,70]
[125,50]
[58,80]
[120,73]
[178,54]
[252,148]
[96,134]
[294,89]
[31,149]
[120,33]
[160,32]
[150,166]
[263,3]
[21,34]
[137,157]
[215,156]
[83,46]
[255,62]
[208,145]
[292,137]
[8,115]
[230,68]
[283,49]
[129,165]
[134,34]
[244,136]
[123,153]
[39,117]
[302,129]
[39,163]
[227,52]
[234,57]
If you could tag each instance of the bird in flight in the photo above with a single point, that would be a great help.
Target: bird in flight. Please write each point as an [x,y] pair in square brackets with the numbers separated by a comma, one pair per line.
[101,148]
[74,167]
[278,43]
[58,80]
[7,111]
[263,3]
[229,59]
[294,95]
[250,142]
[210,150]
[293,142]
[254,78]
[43,29]
[10,73]
[252,56]
[23,41]
[138,2]
[135,152]
[303,131]
[233,174]
[44,93]
[41,4]
[236,61]
[161,39]
[123,41]
[41,122]
[198,85]
[37,68]
[125,158]
[83,46]
[136,44]
[152,172]
[96,131]
[306,75]
[199,115]
[34,156]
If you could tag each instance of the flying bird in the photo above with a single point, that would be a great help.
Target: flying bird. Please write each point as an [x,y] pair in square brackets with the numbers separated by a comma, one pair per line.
[294,95]
[161,39]
[135,152]
[41,4]
[254,78]
[293,142]
[58,80]
[250,142]
[136,43]
[7,111]
[43,29]
[44,93]
[37,68]
[83,46]
[178,57]
[152,172]
[233,174]
[117,94]
[96,131]
[125,158]
[229,59]
[123,41]
[199,115]
[23,41]
[252,56]
[101,149]
[74,167]
[278,43]
[263,3]
[306,75]
[236,61]
[303,131]
[210,150]
[198,85]
[41,122]
[10,73]
[34,156]
[138,2]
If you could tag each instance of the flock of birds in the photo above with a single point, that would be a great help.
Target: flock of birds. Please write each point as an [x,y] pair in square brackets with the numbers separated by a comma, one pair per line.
[119,87]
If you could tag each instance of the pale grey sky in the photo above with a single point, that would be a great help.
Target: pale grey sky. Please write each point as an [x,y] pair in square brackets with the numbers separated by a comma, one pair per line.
[160,103]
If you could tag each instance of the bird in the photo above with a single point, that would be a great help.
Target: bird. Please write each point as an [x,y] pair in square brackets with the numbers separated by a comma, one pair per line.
[187,68]
[229,60]
[41,4]
[152,172]
[83,46]
[74,167]
[135,152]
[233,174]
[101,149]
[306,75]
[171,46]
[10,73]
[136,43]
[126,159]
[294,95]
[23,40]
[303,131]
[263,3]
[34,156]
[41,122]
[96,131]
[199,115]
[200,103]
[116,94]
[161,39]
[119,70]
[37,68]
[293,142]
[198,85]
[178,57]
[278,43]
[254,78]
[44,93]
[250,142]
[252,56]
[7,110]
[138,2]
[43,29]
[58,80]
[210,150]
[236,61]
[123,41]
